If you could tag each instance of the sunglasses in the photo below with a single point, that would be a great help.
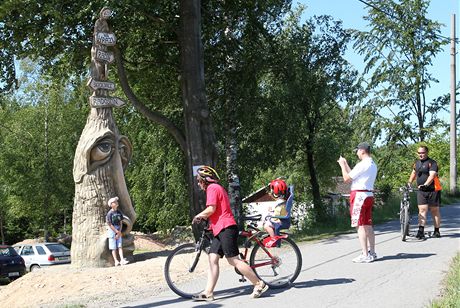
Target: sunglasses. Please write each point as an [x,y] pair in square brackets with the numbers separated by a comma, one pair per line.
[420,153]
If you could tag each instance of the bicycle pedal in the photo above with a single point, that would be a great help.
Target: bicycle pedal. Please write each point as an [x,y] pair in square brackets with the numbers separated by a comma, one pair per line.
[242,280]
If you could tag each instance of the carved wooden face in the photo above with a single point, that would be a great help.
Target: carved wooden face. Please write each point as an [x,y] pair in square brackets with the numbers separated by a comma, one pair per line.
[101,157]
[97,146]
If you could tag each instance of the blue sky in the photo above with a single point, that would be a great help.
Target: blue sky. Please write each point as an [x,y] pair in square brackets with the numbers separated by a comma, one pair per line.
[352,11]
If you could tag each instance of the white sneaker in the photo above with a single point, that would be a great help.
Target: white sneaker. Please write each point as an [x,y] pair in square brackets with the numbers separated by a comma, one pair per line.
[124,262]
[373,255]
[363,259]
[117,263]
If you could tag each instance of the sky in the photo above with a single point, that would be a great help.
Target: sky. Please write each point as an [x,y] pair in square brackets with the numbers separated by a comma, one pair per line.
[350,12]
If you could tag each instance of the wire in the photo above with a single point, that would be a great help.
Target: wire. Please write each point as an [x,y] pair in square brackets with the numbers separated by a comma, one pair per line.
[395,17]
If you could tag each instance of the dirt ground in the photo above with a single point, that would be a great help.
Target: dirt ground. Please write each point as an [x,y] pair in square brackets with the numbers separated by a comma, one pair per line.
[64,285]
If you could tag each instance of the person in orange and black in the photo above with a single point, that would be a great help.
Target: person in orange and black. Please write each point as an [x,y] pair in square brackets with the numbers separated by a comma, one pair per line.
[225,231]
[425,170]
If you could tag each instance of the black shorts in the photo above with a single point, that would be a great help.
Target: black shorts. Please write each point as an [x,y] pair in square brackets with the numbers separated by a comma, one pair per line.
[226,242]
[432,198]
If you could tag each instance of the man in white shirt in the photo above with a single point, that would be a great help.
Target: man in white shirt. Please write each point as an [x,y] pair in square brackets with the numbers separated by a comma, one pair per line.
[362,178]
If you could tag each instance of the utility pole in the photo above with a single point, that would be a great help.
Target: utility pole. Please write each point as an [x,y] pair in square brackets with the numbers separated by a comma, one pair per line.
[453,113]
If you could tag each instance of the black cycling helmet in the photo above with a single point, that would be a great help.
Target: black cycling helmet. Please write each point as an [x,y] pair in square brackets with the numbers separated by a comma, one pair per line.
[208,174]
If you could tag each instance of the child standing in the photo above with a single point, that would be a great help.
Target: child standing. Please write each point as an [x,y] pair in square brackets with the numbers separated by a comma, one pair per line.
[114,221]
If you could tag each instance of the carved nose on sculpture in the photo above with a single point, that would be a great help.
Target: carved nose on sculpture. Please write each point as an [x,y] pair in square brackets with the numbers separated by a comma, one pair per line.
[121,191]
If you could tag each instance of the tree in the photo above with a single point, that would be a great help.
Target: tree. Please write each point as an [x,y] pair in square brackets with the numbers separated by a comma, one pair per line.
[38,139]
[398,51]
[305,86]
[58,37]
[237,39]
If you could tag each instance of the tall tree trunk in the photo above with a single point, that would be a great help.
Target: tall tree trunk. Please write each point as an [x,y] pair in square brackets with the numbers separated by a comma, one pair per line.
[2,235]
[421,112]
[315,188]
[200,138]
[234,188]
[46,201]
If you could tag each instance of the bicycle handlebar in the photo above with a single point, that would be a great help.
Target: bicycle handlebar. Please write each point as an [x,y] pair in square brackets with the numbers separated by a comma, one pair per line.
[253,218]
[408,189]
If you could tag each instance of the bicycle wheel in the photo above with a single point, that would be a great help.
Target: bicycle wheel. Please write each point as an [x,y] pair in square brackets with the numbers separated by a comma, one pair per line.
[404,222]
[282,268]
[186,270]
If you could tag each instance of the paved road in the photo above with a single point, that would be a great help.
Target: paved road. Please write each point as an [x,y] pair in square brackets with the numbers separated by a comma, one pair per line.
[407,274]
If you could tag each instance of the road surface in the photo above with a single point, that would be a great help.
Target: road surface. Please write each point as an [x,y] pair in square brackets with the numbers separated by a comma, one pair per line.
[406,274]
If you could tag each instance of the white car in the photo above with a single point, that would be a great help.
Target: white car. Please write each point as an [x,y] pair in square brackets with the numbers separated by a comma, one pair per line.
[38,255]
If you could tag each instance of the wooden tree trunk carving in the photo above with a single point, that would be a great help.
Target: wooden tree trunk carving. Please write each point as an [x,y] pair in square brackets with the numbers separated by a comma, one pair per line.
[100,159]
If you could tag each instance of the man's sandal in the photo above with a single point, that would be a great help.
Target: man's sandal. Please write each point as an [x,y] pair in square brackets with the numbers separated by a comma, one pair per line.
[203,297]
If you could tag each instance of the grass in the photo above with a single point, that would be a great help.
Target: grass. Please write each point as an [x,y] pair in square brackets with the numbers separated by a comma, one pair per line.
[451,287]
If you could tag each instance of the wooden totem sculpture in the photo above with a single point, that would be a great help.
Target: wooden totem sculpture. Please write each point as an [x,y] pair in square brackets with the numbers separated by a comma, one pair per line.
[100,159]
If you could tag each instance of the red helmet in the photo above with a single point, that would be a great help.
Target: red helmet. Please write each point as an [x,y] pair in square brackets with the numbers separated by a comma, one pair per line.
[208,174]
[278,188]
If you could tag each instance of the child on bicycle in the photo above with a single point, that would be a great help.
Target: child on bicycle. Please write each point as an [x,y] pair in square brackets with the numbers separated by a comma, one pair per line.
[225,231]
[279,191]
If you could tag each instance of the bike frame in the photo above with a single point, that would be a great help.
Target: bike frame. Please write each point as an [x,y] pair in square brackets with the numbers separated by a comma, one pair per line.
[251,235]
[404,211]
[254,252]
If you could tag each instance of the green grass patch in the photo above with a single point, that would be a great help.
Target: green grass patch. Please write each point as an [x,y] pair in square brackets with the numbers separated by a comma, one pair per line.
[451,287]
[139,251]
[447,198]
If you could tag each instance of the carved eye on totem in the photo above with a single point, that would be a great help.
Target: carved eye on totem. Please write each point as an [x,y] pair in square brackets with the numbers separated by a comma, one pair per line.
[125,150]
[102,151]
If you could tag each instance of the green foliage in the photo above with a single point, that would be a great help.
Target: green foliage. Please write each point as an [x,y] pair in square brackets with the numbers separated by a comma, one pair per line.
[283,84]
[396,162]
[156,179]
[398,51]
[303,89]
[39,133]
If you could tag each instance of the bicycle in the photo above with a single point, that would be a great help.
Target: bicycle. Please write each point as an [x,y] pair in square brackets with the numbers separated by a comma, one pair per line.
[404,211]
[278,266]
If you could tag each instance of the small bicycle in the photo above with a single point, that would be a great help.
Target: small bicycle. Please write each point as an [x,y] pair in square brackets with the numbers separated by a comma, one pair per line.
[278,265]
[404,211]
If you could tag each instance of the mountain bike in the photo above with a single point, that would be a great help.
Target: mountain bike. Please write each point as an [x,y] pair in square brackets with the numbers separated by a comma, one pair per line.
[278,266]
[404,211]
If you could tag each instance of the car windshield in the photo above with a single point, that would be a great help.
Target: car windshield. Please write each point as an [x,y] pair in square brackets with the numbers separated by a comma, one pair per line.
[7,252]
[57,248]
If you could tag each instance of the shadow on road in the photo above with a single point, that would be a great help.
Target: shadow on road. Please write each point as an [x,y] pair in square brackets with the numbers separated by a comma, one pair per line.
[321,282]
[245,291]
[161,303]
[150,255]
[405,256]
[218,295]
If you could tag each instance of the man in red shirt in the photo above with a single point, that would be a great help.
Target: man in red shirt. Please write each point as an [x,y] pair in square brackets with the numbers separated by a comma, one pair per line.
[225,232]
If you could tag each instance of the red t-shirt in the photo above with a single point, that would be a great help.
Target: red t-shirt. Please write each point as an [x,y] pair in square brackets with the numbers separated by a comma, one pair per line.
[222,216]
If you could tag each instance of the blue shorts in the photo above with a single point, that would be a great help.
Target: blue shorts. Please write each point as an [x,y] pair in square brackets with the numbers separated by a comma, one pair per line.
[115,243]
